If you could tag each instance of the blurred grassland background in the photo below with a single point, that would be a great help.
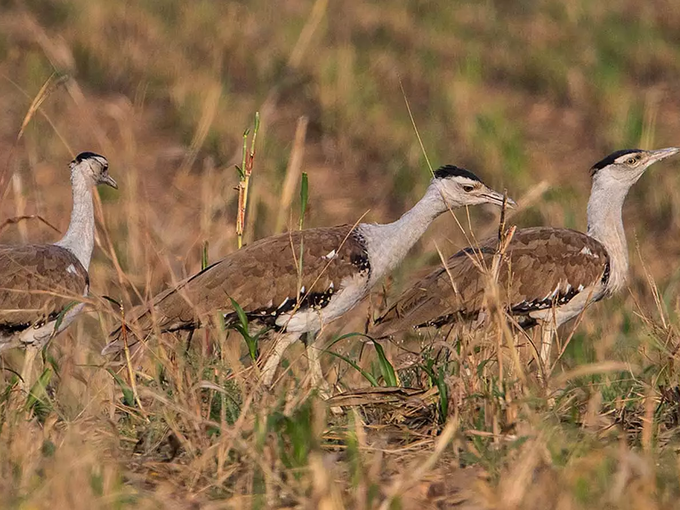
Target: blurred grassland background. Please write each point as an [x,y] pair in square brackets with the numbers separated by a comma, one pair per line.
[520,92]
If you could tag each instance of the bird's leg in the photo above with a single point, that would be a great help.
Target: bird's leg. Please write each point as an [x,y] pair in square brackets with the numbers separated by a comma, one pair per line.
[190,337]
[548,331]
[318,381]
[280,345]
[546,344]
[315,371]
[27,369]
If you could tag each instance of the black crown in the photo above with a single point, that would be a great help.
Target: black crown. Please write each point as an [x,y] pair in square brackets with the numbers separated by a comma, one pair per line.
[454,171]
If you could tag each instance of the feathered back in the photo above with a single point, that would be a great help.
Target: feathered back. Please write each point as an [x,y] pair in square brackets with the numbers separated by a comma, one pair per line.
[261,277]
[542,267]
[36,283]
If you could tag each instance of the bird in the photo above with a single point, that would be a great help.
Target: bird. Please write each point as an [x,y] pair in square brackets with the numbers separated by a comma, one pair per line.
[547,276]
[41,284]
[298,281]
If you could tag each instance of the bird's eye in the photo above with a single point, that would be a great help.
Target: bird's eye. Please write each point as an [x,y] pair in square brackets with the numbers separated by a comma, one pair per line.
[468,188]
[631,161]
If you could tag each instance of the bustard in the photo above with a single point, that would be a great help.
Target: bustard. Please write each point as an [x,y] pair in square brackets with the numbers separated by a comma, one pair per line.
[548,276]
[38,282]
[339,266]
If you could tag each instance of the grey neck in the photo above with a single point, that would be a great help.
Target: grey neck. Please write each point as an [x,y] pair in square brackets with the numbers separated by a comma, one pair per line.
[388,244]
[605,223]
[79,238]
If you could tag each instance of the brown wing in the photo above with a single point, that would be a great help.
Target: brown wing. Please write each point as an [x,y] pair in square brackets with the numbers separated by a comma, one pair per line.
[543,267]
[263,278]
[36,283]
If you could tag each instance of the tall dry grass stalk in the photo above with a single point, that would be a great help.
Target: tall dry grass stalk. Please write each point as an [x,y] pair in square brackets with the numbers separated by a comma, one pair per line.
[52,83]
[244,172]
[293,172]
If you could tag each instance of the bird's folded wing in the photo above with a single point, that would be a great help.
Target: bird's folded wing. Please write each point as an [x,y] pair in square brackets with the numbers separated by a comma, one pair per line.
[263,278]
[541,267]
[37,282]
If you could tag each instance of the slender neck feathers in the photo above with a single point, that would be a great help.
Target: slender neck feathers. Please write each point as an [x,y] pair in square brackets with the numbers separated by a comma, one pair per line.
[388,244]
[79,238]
[605,223]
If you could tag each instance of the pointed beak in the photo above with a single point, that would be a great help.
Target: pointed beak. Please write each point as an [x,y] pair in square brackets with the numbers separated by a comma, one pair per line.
[496,198]
[110,181]
[661,154]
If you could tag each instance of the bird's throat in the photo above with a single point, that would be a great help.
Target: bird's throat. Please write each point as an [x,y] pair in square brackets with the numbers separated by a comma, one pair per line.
[605,224]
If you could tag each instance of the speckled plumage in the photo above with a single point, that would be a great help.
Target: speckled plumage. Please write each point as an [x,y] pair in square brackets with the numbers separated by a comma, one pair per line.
[263,279]
[553,266]
[37,282]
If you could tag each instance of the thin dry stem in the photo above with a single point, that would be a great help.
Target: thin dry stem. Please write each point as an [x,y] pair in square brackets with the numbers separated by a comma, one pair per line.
[293,172]
[12,221]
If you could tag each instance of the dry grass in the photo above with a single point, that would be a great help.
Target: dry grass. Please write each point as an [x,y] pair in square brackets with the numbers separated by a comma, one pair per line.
[525,93]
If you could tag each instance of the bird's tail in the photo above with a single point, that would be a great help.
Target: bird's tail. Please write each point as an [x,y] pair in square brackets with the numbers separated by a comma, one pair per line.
[416,314]
[129,332]
[118,338]
[388,325]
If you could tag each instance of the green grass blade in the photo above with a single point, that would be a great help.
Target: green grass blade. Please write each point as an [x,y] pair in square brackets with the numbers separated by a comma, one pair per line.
[304,197]
[386,368]
[37,394]
[256,128]
[241,173]
[242,328]
[242,317]
[438,381]
[367,376]
[443,394]
[128,395]
[62,315]
[345,336]
[244,155]
[204,256]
